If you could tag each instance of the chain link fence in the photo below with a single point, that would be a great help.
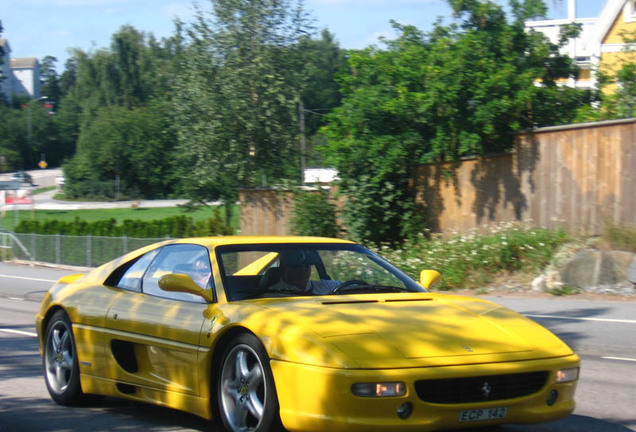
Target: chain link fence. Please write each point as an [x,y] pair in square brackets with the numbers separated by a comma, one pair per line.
[82,251]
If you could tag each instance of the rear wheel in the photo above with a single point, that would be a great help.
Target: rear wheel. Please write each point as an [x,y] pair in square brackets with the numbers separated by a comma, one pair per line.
[245,387]
[61,367]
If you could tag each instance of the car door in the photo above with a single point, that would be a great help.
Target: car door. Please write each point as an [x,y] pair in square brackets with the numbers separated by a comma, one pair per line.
[152,336]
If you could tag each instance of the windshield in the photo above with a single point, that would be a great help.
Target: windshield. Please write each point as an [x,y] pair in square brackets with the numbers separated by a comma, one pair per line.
[275,270]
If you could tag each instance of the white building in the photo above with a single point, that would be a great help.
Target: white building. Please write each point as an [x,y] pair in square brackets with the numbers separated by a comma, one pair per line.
[320,175]
[26,77]
[5,70]
[20,76]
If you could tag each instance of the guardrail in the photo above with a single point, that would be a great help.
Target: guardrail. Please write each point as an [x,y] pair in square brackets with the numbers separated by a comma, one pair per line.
[83,251]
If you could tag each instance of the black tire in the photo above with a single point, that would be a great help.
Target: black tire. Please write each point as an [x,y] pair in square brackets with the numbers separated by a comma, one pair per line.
[245,388]
[59,360]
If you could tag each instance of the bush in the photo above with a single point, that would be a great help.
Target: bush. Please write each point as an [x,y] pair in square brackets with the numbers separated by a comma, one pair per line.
[620,238]
[475,259]
[314,214]
[175,227]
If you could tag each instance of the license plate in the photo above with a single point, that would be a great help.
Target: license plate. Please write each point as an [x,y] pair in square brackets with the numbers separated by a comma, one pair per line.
[482,414]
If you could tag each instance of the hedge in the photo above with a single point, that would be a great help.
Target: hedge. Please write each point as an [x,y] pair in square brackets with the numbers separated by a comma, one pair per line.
[174,227]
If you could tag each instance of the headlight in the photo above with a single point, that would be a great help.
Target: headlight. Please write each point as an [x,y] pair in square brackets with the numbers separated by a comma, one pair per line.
[567,375]
[383,389]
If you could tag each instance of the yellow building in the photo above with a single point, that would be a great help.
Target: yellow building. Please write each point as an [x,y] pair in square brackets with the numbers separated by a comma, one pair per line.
[605,43]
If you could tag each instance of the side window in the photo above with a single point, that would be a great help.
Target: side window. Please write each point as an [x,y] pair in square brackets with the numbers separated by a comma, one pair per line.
[629,12]
[131,279]
[192,260]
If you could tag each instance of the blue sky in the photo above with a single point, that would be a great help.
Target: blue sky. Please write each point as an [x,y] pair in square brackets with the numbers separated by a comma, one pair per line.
[36,28]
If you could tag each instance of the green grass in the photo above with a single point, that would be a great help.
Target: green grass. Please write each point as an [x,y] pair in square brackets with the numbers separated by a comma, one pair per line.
[565,290]
[42,190]
[11,218]
[620,237]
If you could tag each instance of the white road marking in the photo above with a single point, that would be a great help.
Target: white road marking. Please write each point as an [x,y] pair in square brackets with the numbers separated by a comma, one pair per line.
[624,321]
[26,278]
[620,359]
[18,332]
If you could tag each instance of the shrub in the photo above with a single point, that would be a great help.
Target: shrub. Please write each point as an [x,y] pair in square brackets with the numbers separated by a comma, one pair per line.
[620,238]
[314,214]
[175,227]
[475,259]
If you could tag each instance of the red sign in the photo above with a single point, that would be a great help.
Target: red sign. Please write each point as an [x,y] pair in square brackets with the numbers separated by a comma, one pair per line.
[17,197]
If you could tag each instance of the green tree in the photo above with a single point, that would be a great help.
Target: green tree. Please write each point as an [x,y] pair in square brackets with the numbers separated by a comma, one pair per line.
[115,109]
[237,95]
[68,78]
[324,60]
[27,132]
[314,213]
[12,133]
[460,90]
[50,80]
[133,158]
[2,77]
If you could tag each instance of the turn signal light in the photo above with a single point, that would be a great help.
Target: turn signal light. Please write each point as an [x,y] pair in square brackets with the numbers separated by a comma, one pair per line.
[567,375]
[383,389]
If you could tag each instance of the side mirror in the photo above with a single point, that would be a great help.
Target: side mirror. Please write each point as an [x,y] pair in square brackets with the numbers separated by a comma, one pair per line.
[178,282]
[430,278]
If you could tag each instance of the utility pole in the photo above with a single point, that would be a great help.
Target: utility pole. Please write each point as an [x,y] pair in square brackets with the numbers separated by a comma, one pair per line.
[30,118]
[303,144]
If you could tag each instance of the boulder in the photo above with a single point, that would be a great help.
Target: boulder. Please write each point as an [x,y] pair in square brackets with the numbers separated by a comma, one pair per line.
[592,267]
[631,271]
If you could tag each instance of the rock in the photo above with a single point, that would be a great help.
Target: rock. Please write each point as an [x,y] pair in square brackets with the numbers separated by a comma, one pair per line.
[553,280]
[591,268]
[622,261]
[538,284]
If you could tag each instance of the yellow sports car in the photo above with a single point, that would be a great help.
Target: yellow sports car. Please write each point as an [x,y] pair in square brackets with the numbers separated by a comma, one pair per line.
[305,334]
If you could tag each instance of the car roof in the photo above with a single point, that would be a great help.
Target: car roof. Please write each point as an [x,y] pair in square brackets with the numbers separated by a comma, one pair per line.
[235,240]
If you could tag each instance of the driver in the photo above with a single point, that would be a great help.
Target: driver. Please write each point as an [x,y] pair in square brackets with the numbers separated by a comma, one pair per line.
[295,273]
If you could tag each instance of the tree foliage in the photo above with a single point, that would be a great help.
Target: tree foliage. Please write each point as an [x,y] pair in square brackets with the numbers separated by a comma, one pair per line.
[117,111]
[236,97]
[460,90]
[314,213]
[132,157]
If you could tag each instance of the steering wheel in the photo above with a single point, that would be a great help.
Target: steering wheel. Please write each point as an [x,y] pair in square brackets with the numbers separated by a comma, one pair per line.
[350,282]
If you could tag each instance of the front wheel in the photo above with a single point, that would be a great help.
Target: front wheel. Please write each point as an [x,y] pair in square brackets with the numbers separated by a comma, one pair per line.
[245,387]
[61,367]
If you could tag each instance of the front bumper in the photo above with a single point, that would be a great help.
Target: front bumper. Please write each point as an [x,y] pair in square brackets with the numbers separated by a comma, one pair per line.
[318,399]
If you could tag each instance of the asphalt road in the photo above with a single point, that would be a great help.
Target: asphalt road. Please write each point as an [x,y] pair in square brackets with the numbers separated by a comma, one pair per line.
[602,332]
[45,201]
[41,178]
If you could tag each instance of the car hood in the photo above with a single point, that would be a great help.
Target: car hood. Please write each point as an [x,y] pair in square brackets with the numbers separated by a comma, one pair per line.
[407,330]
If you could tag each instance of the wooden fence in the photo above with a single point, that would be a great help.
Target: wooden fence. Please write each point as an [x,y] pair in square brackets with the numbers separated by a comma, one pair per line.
[578,177]
[265,212]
